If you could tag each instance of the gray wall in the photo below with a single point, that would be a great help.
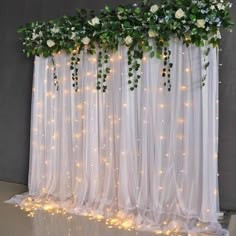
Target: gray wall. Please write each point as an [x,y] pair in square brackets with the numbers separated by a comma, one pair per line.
[227,128]
[16,81]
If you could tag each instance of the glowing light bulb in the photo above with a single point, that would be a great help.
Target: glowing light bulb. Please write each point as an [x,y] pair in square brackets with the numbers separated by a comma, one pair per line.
[162,105]
[180,120]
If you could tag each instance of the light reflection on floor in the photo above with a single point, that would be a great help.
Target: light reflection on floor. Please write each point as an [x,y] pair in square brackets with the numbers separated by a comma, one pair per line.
[58,225]
[15,222]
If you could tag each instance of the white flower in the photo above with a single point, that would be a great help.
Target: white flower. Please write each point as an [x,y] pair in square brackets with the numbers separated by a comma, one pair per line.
[55,30]
[94,21]
[220,6]
[152,33]
[201,23]
[34,36]
[212,7]
[85,40]
[128,40]
[50,43]
[179,14]
[229,4]
[73,35]
[218,34]
[154,8]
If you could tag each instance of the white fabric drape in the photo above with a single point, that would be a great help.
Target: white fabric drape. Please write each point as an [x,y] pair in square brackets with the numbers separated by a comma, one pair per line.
[147,155]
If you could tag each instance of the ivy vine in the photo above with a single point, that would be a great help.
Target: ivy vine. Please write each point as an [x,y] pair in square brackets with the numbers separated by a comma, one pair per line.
[55,77]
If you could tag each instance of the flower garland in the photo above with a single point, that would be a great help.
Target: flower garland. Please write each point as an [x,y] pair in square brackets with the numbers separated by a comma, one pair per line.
[195,22]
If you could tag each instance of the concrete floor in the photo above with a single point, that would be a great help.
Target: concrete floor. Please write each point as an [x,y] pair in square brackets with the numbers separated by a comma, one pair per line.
[15,222]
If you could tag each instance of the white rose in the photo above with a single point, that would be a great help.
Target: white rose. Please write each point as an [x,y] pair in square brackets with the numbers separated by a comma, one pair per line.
[154,8]
[220,6]
[152,33]
[179,14]
[50,43]
[201,23]
[128,40]
[55,30]
[94,21]
[85,40]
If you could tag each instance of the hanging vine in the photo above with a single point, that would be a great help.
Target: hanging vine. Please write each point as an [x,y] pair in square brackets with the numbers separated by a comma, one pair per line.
[55,77]
[167,65]
[74,67]
[103,70]
[135,55]
[206,64]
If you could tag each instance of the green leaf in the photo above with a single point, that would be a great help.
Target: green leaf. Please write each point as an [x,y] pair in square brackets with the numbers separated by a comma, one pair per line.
[207,51]
[21,30]
[206,65]
[158,54]
[137,10]
[120,9]
[107,9]
[152,54]
[193,18]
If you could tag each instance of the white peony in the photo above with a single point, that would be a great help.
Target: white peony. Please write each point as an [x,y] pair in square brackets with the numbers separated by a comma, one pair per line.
[55,30]
[85,40]
[154,8]
[94,21]
[152,33]
[201,23]
[179,14]
[50,43]
[128,40]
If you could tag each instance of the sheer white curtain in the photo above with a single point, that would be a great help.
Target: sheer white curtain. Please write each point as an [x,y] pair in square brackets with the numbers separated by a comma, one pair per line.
[147,157]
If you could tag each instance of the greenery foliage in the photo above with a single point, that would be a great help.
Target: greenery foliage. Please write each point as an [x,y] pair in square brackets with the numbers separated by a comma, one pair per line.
[195,22]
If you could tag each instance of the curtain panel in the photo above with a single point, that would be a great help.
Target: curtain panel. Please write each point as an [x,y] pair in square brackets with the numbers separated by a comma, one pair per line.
[144,159]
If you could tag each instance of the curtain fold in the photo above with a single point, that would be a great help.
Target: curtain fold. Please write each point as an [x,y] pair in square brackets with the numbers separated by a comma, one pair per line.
[147,158]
